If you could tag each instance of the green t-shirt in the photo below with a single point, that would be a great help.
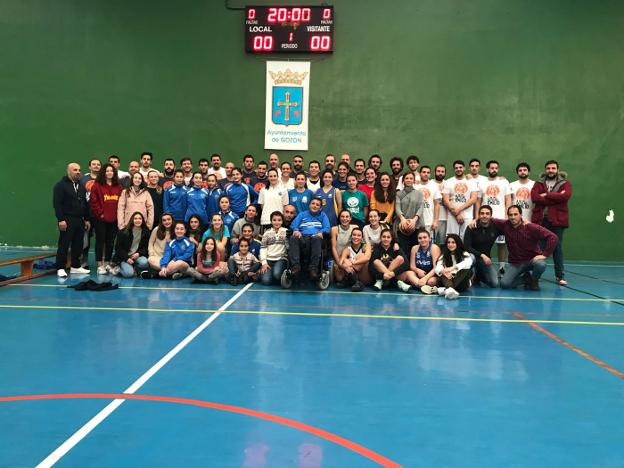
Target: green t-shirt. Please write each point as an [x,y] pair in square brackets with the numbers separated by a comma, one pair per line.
[355,202]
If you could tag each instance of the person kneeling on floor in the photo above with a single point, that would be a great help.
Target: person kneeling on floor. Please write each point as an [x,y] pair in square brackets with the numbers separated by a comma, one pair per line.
[243,266]
[527,259]
[178,254]
[453,268]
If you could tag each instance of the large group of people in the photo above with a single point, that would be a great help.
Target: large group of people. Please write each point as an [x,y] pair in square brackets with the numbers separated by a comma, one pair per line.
[408,228]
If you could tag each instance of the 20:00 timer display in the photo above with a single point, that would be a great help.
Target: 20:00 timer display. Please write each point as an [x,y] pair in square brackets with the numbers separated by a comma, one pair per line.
[289,29]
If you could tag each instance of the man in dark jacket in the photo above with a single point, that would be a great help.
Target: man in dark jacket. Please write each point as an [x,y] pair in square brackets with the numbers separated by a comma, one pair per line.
[478,240]
[550,194]
[72,213]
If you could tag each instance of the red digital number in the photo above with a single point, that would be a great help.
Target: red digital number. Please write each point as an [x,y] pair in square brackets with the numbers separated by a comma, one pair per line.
[282,14]
[305,14]
[272,16]
[263,43]
[320,43]
[251,14]
[295,14]
[326,13]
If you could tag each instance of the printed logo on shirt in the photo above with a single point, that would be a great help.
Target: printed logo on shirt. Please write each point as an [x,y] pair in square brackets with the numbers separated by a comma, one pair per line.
[523,193]
[426,197]
[460,190]
[89,185]
[354,205]
[113,198]
[491,196]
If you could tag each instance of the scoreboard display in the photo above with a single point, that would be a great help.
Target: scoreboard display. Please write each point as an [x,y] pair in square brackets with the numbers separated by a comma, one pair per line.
[308,29]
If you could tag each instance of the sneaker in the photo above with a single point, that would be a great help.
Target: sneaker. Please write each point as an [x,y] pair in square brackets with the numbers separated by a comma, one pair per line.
[403,286]
[314,274]
[61,273]
[102,270]
[146,274]
[79,271]
[441,291]
[115,271]
[426,289]
[534,284]
[378,285]
[177,275]
[450,293]
[357,286]
[295,270]
[109,268]
[233,280]
[561,282]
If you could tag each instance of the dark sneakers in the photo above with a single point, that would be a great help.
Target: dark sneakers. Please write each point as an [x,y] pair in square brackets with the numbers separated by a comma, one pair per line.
[314,274]
[534,284]
[357,286]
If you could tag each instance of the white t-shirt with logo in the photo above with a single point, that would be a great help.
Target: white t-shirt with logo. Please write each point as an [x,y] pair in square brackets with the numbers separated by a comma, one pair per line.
[459,192]
[521,195]
[493,194]
[443,214]
[430,193]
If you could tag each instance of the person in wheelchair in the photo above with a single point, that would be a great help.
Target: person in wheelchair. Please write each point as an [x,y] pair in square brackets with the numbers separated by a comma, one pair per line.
[308,230]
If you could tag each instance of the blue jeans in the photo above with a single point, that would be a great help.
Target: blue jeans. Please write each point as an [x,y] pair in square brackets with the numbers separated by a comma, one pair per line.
[127,270]
[273,274]
[514,272]
[486,273]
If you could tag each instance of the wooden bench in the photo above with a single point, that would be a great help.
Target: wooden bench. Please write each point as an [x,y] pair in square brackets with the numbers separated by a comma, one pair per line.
[26,267]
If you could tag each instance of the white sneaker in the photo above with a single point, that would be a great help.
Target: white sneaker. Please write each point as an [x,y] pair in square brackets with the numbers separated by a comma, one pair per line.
[426,289]
[441,291]
[102,270]
[109,268]
[451,293]
[61,273]
[79,271]
[378,285]
[115,270]
[403,286]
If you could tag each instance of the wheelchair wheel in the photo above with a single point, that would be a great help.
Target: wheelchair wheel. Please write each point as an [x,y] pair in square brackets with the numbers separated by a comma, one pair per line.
[323,283]
[286,280]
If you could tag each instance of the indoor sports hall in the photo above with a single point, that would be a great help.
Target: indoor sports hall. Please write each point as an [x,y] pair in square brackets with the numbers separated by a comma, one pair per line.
[106,369]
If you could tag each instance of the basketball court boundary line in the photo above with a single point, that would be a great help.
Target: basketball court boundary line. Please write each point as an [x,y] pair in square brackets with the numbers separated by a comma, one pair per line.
[307,314]
[569,345]
[66,446]
[336,439]
[311,291]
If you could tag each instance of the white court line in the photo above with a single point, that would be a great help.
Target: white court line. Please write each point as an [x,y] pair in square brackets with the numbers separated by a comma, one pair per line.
[112,406]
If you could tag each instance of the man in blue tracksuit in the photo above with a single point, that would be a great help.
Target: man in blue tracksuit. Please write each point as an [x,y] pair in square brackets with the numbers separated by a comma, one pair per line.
[174,200]
[308,229]
[241,195]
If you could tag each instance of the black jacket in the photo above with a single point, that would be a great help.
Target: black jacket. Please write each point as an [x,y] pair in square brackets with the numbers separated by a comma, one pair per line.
[124,242]
[69,201]
[480,240]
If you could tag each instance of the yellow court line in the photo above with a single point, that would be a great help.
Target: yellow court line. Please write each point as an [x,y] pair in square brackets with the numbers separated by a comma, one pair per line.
[312,314]
[384,293]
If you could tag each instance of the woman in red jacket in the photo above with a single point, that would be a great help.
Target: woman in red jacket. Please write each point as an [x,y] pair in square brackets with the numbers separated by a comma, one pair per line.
[105,195]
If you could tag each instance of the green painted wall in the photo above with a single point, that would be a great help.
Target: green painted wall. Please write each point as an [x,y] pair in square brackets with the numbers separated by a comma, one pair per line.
[512,80]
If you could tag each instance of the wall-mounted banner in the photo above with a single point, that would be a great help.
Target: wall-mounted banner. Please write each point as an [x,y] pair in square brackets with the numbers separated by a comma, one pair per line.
[287,91]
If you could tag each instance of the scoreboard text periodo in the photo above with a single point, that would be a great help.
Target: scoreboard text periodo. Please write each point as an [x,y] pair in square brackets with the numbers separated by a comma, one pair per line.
[289,29]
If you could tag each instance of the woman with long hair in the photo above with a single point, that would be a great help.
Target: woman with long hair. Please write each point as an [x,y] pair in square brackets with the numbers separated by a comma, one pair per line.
[135,198]
[103,201]
[330,196]
[354,261]
[373,229]
[272,198]
[383,197]
[409,210]
[178,254]
[423,258]
[387,263]
[131,247]
[340,236]
[453,268]
[274,250]
[160,236]
[209,266]
[220,232]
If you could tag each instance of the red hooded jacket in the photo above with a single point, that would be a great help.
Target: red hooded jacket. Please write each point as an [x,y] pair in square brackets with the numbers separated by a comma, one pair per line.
[556,200]
[104,200]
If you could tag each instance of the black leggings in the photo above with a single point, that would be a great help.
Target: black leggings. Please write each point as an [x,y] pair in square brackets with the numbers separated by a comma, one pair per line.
[105,234]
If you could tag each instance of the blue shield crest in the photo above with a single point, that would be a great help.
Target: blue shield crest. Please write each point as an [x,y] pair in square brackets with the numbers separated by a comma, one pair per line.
[287,105]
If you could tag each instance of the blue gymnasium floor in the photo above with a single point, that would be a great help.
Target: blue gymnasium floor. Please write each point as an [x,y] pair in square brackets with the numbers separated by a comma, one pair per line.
[496,378]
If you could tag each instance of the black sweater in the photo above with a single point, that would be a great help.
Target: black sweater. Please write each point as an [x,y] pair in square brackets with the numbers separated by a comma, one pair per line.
[124,242]
[70,202]
[480,240]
